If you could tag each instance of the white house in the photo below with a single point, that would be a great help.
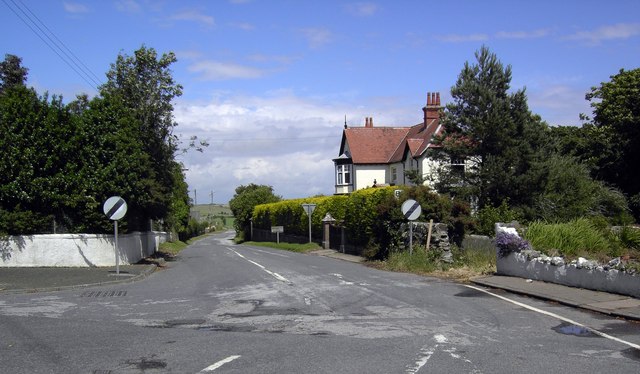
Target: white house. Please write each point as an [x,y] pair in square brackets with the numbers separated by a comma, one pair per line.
[372,155]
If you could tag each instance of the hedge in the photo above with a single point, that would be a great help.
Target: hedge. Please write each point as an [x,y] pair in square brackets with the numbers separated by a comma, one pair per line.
[371,217]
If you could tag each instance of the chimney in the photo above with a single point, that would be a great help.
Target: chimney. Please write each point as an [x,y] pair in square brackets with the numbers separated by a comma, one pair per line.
[368,121]
[432,109]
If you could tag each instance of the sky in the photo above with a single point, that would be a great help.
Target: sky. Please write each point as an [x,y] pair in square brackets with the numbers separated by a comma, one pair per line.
[270,84]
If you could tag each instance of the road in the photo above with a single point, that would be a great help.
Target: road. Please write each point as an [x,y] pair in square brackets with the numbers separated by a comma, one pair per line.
[225,308]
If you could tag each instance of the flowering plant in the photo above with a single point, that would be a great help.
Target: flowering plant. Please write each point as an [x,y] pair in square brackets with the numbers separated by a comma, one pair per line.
[507,243]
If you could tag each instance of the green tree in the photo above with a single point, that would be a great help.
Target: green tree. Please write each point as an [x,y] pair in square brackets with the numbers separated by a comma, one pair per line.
[616,123]
[145,83]
[12,73]
[243,202]
[35,174]
[493,129]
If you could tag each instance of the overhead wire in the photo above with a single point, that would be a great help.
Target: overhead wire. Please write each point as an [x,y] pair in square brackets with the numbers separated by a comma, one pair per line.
[36,26]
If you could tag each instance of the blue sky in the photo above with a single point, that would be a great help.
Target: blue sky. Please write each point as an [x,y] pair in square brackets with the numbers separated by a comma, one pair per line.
[269,83]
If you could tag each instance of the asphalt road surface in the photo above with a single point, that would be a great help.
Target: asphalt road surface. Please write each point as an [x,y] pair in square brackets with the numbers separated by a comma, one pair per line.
[225,308]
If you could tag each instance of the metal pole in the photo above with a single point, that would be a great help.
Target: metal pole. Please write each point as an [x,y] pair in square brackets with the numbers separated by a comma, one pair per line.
[309,215]
[410,238]
[115,228]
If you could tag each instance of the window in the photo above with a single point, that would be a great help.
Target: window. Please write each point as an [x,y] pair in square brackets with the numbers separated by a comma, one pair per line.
[457,167]
[343,174]
[394,174]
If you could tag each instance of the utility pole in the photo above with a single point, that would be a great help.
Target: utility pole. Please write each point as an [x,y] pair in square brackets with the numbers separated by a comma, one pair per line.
[195,197]
[211,194]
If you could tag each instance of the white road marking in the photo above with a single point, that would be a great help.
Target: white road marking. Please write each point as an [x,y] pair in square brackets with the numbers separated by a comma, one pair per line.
[219,364]
[268,253]
[273,274]
[561,318]
[427,351]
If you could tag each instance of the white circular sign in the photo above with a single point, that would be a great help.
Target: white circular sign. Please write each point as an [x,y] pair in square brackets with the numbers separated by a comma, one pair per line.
[115,208]
[411,210]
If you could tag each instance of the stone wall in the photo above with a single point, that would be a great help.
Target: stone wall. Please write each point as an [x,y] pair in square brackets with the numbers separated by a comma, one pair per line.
[531,264]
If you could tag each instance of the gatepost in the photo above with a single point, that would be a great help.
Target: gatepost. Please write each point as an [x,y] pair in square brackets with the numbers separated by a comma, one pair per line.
[326,223]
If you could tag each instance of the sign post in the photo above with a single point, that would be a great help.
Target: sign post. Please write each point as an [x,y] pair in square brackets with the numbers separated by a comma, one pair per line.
[309,208]
[277,230]
[411,210]
[115,208]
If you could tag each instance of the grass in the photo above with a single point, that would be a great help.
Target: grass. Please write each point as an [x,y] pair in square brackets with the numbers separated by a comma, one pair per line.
[293,247]
[173,248]
[468,263]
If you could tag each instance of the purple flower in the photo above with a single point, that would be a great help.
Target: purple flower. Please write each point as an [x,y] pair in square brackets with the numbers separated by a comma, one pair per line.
[508,243]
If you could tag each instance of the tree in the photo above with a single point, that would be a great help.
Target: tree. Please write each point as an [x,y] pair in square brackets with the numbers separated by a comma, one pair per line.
[616,120]
[36,174]
[12,73]
[494,131]
[146,86]
[243,202]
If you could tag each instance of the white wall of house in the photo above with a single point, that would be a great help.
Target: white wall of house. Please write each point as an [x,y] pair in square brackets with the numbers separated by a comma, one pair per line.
[430,170]
[365,174]
[77,250]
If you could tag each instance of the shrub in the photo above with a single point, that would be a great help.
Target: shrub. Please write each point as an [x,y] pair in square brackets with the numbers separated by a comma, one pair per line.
[489,215]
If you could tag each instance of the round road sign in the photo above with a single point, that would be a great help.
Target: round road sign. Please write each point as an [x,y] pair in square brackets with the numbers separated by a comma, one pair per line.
[115,208]
[411,210]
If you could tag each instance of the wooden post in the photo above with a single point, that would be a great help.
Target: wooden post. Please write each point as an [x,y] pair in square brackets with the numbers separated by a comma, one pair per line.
[429,234]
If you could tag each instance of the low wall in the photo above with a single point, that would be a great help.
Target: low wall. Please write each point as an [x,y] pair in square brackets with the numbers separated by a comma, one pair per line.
[596,278]
[77,250]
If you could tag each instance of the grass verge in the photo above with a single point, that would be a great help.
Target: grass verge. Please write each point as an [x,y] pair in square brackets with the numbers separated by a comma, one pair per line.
[468,263]
[293,247]
[173,248]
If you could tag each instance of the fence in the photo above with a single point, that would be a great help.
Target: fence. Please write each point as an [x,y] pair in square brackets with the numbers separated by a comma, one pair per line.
[260,235]
[338,239]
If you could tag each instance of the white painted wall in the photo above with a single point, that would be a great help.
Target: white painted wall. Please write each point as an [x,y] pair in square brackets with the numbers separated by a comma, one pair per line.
[77,250]
[365,174]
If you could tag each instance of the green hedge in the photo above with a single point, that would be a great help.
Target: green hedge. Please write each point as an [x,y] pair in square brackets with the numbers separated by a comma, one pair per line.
[371,217]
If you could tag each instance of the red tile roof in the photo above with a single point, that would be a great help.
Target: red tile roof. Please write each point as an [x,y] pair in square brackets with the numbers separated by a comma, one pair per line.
[383,145]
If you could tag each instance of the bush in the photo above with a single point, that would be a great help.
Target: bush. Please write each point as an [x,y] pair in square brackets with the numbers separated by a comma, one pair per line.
[193,229]
[489,215]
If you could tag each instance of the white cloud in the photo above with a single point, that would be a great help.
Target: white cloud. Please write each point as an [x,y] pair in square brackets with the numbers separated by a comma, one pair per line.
[194,16]
[457,38]
[609,32]
[363,9]
[243,26]
[215,70]
[128,6]
[559,104]
[316,37]
[75,8]
[278,139]
[523,34]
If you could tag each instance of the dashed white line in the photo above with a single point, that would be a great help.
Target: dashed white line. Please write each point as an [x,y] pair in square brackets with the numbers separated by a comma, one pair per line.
[218,364]
[561,318]
[273,274]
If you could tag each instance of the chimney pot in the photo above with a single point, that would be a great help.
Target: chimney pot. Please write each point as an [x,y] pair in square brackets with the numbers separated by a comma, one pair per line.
[438,98]
[370,121]
[428,98]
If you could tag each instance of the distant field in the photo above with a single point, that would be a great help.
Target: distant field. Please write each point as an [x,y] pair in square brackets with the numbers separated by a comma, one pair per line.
[219,214]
